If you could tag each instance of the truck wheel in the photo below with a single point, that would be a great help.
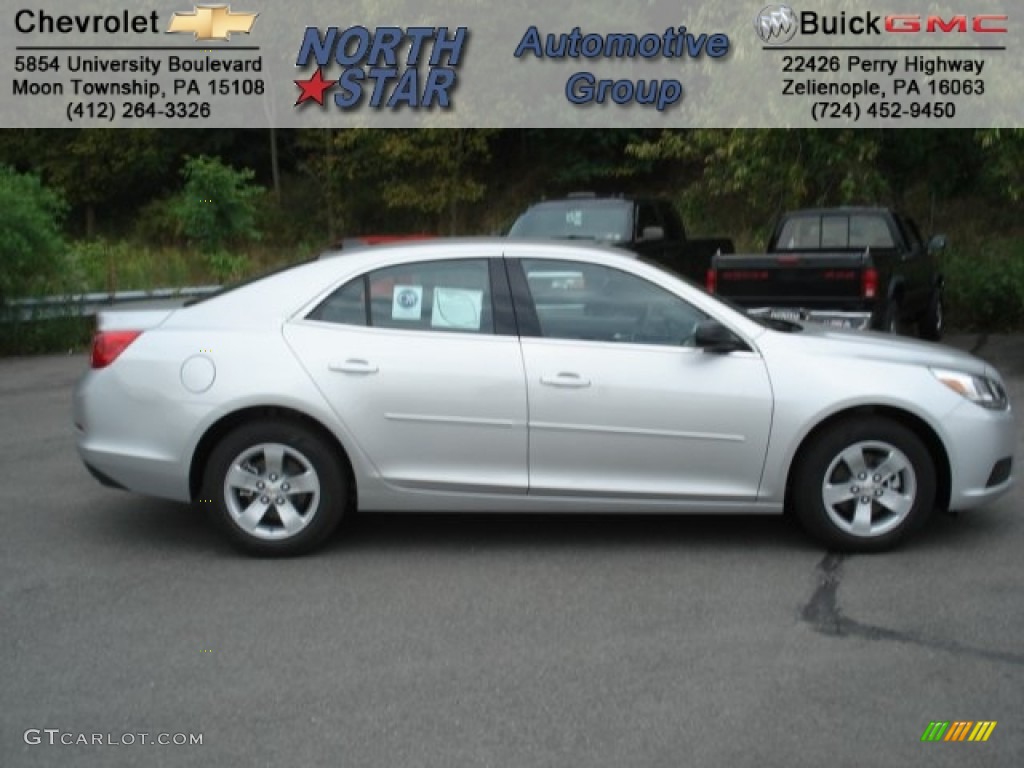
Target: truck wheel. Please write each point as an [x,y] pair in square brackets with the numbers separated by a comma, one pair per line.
[891,321]
[863,485]
[932,321]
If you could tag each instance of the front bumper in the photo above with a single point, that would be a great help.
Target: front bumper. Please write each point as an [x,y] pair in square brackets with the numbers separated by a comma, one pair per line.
[859,321]
[982,444]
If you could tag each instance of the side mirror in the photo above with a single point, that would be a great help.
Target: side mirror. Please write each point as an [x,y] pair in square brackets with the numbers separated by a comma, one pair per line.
[715,338]
[652,233]
[937,243]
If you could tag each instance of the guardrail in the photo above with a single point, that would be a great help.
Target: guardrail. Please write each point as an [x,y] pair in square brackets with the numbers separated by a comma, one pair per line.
[89,304]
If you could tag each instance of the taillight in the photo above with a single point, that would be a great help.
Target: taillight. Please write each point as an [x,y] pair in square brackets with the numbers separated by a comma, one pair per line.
[108,345]
[869,282]
[711,280]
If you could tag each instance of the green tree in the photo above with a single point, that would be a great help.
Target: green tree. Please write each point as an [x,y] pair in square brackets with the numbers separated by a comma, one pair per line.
[397,180]
[1004,160]
[98,170]
[217,206]
[216,210]
[31,248]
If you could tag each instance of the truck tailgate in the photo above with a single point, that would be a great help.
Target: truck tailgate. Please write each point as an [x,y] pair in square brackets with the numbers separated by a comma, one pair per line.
[790,279]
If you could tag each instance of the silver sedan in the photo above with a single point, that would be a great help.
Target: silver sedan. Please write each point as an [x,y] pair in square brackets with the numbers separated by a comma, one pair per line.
[508,376]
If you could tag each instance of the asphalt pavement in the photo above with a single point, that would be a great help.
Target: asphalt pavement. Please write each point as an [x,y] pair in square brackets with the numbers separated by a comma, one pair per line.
[487,641]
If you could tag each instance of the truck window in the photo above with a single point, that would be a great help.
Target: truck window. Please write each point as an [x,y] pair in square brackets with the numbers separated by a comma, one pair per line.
[800,232]
[866,230]
[645,217]
[870,232]
[575,220]
[835,232]
[910,232]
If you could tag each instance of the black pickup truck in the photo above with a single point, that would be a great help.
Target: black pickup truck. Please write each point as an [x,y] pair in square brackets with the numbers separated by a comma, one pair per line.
[849,267]
[650,227]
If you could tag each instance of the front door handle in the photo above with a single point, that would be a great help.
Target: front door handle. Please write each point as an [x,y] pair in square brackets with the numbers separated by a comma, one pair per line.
[565,380]
[353,365]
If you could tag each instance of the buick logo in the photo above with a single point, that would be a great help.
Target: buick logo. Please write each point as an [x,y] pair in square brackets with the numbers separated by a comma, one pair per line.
[408,299]
[776,24]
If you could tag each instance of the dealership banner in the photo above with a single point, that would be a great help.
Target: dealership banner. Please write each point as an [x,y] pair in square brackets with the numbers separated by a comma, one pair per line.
[514,63]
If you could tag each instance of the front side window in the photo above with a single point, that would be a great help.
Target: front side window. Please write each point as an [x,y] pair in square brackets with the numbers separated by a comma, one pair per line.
[451,295]
[589,302]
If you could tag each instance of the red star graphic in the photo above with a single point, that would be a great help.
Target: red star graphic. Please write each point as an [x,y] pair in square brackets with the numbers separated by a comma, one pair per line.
[313,88]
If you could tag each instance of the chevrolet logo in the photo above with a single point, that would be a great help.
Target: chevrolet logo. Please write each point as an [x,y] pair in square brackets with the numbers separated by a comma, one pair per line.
[212,22]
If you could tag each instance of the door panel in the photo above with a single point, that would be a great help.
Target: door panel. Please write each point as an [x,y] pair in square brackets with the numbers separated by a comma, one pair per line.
[651,421]
[620,400]
[408,359]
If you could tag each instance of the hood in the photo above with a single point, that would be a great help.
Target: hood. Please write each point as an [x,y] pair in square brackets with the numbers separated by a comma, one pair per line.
[873,345]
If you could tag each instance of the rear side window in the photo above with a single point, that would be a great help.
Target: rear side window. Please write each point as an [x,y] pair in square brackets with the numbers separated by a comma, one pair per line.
[346,306]
[450,295]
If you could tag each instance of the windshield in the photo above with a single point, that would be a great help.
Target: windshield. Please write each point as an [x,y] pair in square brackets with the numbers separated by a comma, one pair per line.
[576,220]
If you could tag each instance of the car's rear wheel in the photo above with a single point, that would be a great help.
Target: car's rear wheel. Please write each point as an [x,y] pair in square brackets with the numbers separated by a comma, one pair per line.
[863,485]
[275,487]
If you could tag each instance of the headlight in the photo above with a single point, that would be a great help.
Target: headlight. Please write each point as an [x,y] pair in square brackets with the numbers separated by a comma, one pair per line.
[986,392]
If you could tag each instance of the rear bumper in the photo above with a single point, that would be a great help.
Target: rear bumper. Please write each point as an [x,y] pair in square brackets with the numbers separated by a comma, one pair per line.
[859,321]
[130,439]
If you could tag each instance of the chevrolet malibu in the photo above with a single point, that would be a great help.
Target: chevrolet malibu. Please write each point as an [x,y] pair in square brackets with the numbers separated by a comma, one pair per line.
[512,376]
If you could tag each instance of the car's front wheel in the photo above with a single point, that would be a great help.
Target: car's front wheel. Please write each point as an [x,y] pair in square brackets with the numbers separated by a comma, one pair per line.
[863,484]
[275,487]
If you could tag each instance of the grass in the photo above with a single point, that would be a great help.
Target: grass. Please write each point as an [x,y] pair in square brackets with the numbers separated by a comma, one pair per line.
[111,266]
[60,334]
[107,266]
[985,285]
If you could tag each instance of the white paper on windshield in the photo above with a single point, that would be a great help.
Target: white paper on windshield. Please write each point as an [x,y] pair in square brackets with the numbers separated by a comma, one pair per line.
[407,302]
[457,308]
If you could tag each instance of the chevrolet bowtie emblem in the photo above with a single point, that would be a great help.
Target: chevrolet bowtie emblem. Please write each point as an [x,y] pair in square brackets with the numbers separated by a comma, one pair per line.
[212,22]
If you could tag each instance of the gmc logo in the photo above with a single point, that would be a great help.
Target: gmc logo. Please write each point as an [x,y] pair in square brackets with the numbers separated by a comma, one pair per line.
[960,23]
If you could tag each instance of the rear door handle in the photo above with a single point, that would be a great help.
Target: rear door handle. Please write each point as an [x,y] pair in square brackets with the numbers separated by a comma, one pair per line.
[353,365]
[565,380]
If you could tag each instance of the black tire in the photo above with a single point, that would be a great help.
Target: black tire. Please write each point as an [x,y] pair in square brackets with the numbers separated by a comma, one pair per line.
[256,504]
[864,511]
[891,319]
[933,321]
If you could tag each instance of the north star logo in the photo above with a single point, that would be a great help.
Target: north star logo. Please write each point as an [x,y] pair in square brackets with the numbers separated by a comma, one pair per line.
[383,67]
[212,22]
[776,24]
